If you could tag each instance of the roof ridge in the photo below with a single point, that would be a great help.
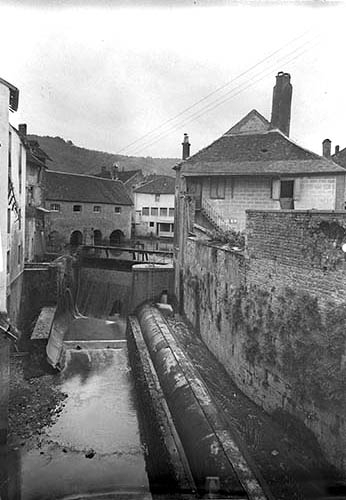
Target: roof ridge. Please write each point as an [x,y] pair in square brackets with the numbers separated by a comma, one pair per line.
[82,175]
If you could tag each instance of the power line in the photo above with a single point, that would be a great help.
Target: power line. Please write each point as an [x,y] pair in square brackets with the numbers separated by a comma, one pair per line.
[219,89]
[221,100]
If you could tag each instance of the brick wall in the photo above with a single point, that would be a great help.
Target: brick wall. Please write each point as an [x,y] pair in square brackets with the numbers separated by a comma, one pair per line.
[274,316]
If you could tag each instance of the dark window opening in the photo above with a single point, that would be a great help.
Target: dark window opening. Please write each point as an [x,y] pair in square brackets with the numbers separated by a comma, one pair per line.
[77,208]
[286,189]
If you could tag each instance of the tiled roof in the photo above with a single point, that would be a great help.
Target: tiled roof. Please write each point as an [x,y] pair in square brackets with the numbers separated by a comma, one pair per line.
[340,158]
[263,153]
[61,186]
[162,185]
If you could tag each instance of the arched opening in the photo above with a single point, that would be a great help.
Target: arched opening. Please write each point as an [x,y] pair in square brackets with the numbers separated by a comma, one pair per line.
[76,238]
[116,237]
[97,237]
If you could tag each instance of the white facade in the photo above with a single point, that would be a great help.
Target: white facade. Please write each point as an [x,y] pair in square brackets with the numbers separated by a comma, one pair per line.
[154,215]
[12,200]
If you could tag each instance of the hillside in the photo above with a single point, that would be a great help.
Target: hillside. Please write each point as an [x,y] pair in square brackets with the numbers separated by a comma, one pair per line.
[67,157]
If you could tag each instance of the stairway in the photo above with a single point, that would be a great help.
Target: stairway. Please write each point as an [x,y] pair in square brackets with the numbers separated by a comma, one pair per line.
[217,221]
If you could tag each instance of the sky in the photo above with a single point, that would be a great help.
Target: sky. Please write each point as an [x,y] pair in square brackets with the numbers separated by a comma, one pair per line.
[133,77]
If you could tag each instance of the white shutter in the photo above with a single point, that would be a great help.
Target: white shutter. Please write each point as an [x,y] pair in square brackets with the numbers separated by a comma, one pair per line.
[297,188]
[276,185]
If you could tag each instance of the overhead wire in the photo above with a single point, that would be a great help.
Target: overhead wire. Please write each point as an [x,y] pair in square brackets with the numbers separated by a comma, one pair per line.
[146,136]
[222,99]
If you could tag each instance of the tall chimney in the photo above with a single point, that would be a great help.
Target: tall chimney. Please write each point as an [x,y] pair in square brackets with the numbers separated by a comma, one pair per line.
[282,98]
[186,147]
[337,149]
[326,147]
[22,129]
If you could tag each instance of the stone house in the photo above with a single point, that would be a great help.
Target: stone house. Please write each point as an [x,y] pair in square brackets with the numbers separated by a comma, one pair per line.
[255,165]
[154,208]
[36,163]
[12,205]
[84,209]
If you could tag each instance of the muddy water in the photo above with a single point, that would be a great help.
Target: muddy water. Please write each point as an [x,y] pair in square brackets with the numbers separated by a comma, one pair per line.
[99,420]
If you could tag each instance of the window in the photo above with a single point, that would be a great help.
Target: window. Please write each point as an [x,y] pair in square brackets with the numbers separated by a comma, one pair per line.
[163,212]
[217,187]
[20,167]
[151,224]
[165,228]
[20,218]
[145,211]
[55,207]
[286,189]
[154,211]
[19,255]
[8,220]
[10,155]
[171,212]
[8,264]
[117,210]
[157,197]
[77,208]
[97,208]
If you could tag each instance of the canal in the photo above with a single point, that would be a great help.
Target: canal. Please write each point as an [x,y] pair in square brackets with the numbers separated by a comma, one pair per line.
[94,447]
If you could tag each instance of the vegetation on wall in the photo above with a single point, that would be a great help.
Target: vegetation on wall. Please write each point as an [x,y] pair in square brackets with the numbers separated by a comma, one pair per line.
[288,334]
[231,238]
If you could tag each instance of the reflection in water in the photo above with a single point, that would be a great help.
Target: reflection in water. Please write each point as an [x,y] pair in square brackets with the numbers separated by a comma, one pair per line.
[99,416]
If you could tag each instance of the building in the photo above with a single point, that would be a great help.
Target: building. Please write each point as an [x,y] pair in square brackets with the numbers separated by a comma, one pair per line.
[84,209]
[12,205]
[130,178]
[36,163]
[256,165]
[154,208]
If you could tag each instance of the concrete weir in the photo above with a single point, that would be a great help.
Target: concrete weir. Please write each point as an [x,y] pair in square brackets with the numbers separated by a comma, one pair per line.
[213,458]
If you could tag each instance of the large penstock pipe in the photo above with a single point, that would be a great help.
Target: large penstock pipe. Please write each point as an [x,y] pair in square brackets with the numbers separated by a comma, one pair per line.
[211,469]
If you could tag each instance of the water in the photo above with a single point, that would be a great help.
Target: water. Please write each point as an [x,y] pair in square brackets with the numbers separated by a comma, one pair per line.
[99,417]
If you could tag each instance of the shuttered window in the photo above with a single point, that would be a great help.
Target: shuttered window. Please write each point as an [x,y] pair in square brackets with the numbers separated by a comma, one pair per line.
[217,187]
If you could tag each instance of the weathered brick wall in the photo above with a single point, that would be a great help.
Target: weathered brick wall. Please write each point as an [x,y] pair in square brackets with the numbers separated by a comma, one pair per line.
[275,317]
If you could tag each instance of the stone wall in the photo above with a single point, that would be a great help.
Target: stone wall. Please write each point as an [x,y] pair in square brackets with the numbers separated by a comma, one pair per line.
[275,317]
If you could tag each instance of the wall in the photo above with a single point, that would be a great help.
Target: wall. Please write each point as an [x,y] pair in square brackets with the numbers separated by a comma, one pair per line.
[148,283]
[242,193]
[66,221]
[274,316]
[4,128]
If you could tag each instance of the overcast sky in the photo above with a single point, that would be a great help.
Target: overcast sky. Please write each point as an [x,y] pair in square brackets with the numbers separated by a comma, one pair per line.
[104,75]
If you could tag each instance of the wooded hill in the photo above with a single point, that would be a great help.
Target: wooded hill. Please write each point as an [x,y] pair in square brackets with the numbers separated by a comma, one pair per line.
[66,157]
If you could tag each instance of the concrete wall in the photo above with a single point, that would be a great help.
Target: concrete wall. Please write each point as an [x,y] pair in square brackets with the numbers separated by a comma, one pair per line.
[275,317]
[242,193]
[148,283]
[66,220]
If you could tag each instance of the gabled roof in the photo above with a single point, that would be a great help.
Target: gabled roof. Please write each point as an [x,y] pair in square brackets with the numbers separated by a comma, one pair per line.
[14,94]
[164,184]
[62,186]
[340,158]
[266,153]
[252,123]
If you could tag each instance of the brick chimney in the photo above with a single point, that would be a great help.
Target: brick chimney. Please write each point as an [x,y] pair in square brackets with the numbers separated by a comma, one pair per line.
[281,107]
[337,149]
[186,147]
[22,129]
[326,147]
